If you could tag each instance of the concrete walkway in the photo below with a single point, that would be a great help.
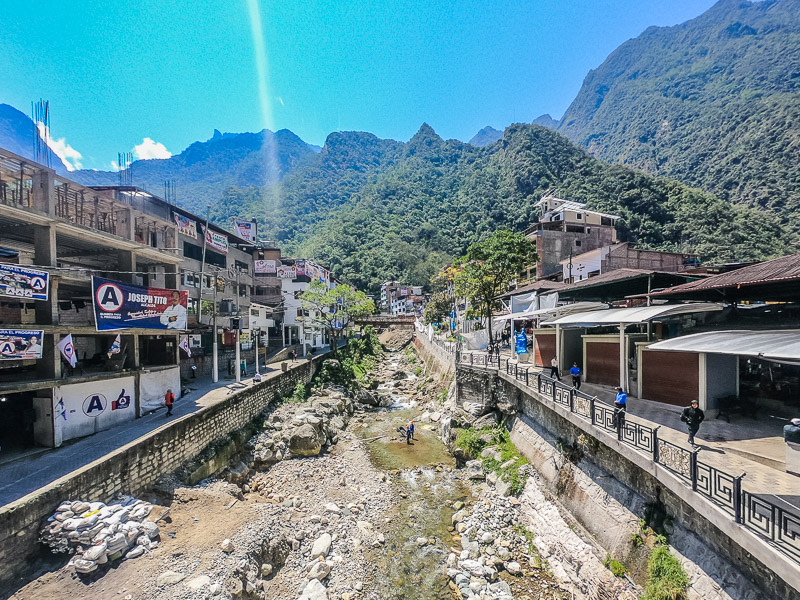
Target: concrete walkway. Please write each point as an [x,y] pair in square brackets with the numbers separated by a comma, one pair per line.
[24,475]
[751,446]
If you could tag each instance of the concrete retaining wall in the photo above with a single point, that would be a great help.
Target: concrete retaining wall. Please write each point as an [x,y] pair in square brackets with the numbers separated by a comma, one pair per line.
[136,466]
[543,421]
[443,362]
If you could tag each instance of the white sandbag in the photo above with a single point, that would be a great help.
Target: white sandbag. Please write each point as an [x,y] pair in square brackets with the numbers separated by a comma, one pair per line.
[70,524]
[135,552]
[94,552]
[151,529]
[85,566]
[80,507]
[117,542]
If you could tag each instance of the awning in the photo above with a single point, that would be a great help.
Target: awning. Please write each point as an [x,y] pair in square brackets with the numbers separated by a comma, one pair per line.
[778,346]
[556,311]
[639,314]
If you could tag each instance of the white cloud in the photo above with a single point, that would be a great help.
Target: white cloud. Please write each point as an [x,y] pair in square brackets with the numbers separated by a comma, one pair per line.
[114,165]
[68,155]
[151,149]
[280,100]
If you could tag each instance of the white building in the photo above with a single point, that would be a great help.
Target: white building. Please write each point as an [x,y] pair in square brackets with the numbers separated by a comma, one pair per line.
[298,325]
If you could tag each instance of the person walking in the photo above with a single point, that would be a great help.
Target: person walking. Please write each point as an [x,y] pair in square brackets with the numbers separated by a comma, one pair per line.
[554,369]
[575,371]
[169,400]
[693,416]
[620,407]
[293,354]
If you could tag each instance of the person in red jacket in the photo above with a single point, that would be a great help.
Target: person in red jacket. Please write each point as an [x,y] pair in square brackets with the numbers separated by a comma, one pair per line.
[169,400]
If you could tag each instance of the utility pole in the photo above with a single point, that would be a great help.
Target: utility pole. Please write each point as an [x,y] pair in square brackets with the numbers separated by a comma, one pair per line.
[254,332]
[215,346]
[238,330]
[202,271]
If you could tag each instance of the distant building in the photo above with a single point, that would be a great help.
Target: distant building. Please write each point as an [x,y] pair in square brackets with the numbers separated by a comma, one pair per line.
[624,256]
[565,229]
[394,291]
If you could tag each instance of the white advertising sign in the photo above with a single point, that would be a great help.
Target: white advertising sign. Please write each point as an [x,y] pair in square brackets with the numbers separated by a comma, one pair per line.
[285,272]
[264,266]
[82,409]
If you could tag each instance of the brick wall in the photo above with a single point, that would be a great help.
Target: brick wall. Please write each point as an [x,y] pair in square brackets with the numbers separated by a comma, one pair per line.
[769,569]
[136,466]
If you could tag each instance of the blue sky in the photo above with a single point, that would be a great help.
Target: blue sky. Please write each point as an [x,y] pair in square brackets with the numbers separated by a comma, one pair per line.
[159,75]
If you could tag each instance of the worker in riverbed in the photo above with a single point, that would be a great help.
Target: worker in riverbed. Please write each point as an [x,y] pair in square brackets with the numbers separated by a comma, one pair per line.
[408,436]
[411,429]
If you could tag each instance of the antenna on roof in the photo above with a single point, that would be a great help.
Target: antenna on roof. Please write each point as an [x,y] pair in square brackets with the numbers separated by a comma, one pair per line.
[40,115]
[124,162]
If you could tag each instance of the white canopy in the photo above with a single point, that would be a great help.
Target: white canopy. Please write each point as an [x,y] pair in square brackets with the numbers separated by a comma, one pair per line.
[639,314]
[555,311]
[778,346]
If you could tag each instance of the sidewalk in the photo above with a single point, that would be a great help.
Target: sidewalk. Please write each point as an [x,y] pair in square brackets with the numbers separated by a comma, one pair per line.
[24,475]
[751,446]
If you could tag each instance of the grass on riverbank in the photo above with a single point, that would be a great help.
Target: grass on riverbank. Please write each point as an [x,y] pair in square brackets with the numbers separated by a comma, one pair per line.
[666,578]
[472,442]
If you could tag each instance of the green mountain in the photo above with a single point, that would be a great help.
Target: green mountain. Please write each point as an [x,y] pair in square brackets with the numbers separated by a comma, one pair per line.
[204,170]
[713,102]
[487,135]
[374,209]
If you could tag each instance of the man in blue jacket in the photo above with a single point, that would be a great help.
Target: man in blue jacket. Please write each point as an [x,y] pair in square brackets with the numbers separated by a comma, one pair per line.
[620,407]
[575,371]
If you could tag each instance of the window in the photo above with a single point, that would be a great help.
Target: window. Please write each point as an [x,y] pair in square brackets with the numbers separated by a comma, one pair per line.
[578,216]
[244,267]
[254,312]
[196,253]
[577,243]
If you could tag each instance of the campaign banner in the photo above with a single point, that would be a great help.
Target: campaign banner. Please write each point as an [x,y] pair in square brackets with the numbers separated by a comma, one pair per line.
[286,272]
[245,230]
[218,241]
[300,267]
[22,282]
[16,344]
[185,225]
[119,305]
[264,266]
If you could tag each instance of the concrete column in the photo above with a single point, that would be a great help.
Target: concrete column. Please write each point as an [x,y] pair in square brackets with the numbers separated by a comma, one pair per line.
[623,359]
[171,277]
[702,372]
[125,225]
[45,255]
[127,262]
[132,343]
[44,196]
[49,366]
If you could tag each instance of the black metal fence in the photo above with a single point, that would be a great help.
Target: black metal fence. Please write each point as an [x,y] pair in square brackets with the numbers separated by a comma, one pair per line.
[777,524]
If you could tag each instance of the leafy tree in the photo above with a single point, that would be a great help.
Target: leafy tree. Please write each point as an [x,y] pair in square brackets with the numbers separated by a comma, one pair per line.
[335,309]
[489,267]
[438,308]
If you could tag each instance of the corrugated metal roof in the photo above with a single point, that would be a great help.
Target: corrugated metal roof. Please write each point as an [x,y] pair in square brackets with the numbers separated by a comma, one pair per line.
[639,314]
[540,286]
[554,311]
[786,268]
[782,345]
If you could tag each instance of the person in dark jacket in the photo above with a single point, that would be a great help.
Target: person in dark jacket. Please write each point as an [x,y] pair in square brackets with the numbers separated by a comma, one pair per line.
[693,416]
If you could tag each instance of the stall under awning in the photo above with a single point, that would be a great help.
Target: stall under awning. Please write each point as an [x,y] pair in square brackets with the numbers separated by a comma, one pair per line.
[777,346]
[630,316]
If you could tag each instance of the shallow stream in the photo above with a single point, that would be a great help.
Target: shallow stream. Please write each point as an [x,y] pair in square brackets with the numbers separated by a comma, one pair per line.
[422,473]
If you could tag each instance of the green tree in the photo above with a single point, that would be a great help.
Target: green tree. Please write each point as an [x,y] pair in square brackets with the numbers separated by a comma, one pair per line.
[335,309]
[488,268]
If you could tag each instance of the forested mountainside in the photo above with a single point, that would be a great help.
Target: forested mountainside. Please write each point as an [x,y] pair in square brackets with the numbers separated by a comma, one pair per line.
[373,209]
[713,102]
[204,170]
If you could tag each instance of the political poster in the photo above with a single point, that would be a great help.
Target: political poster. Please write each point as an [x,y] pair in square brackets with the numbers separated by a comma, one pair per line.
[22,282]
[286,272]
[245,230]
[17,344]
[86,408]
[185,225]
[119,305]
[300,267]
[218,241]
[264,266]
[67,348]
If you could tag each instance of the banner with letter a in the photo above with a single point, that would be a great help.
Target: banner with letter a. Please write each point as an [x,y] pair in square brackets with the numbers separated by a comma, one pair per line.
[120,305]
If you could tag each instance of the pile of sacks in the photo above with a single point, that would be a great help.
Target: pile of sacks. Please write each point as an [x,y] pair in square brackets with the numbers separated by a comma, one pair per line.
[99,533]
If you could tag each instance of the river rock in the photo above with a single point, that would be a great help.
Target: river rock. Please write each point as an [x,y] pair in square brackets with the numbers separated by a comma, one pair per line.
[198,582]
[513,568]
[320,570]
[304,441]
[366,397]
[227,546]
[475,470]
[170,578]
[503,487]
[488,420]
[321,546]
[314,590]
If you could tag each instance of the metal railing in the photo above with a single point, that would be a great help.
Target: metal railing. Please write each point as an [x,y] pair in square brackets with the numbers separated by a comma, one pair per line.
[779,525]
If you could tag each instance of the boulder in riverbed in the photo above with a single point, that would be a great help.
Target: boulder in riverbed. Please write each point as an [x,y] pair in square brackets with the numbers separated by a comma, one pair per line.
[304,441]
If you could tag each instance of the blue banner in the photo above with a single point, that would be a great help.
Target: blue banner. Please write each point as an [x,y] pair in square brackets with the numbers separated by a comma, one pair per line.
[17,344]
[119,305]
[522,342]
[22,282]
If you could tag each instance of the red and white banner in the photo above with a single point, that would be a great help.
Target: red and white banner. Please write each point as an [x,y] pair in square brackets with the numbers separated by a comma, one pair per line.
[264,266]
